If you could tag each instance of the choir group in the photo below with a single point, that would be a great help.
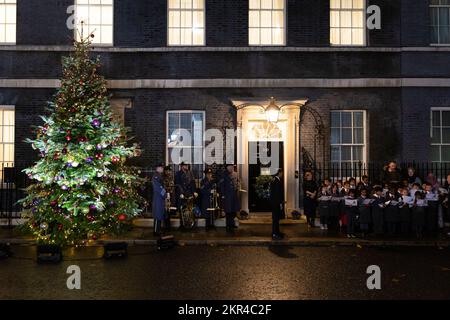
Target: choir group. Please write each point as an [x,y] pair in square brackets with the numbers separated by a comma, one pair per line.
[397,205]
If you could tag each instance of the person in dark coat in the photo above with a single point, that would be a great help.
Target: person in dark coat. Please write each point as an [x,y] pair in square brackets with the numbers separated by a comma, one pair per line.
[184,185]
[365,214]
[446,201]
[431,212]
[207,187]
[335,208]
[378,210]
[405,211]
[229,190]
[418,213]
[351,209]
[277,204]
[392,215]
[159,196]
[309,198]
[392,175]
[324,206]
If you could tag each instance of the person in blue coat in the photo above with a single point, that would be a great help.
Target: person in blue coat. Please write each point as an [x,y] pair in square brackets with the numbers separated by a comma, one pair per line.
[159,196]
[229,188]
[206,193]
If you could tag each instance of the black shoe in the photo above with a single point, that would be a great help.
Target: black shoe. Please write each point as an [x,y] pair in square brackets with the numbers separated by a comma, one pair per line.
[277,237]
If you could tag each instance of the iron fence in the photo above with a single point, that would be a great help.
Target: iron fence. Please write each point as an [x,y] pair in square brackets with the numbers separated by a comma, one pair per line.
[375,170]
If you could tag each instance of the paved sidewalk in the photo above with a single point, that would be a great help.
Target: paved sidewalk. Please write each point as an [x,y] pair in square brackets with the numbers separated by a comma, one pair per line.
[251,235]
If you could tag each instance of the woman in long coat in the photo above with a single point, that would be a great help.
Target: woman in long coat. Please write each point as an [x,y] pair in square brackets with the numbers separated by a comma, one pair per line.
[159,196]
[310,191]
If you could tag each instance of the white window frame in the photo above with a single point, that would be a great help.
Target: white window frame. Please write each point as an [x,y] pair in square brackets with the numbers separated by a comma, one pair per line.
[438,6]
[271,28]
[364,10]
[203,128]
[441,109]
[365,139]
[2,143]
[181,28]
[87,25]
[3,5]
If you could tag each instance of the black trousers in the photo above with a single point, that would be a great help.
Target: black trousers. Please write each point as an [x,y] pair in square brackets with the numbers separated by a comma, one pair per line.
[229,217]
[309,206]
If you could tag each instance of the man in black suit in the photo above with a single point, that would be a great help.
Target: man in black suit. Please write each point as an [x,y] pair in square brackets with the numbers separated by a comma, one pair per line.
[277,204]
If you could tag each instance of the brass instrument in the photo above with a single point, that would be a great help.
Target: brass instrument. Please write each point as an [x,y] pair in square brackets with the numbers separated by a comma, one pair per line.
[187,214]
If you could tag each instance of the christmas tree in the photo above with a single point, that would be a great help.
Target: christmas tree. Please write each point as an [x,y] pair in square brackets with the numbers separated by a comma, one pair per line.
[82,187]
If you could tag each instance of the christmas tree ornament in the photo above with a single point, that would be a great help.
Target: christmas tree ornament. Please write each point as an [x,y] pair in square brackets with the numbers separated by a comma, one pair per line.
[44,226]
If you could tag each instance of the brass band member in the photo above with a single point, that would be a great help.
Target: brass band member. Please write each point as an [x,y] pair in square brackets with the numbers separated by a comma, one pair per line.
[207,194]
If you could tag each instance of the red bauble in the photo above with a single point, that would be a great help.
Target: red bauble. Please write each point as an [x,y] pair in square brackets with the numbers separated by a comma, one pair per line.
[115,159]
[122,217]
[53,203]
[94,237]
[99,156]
[60,227]
[68,138]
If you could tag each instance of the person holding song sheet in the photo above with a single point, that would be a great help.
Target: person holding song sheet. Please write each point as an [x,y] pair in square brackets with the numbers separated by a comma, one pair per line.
[324,206]
[335,208]
[406,202]
[365,214]
[431,212]
[392,211]
[378,206]
[351,209]
[418,213]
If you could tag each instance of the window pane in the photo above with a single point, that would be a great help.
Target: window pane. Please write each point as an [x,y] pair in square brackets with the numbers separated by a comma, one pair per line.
[358,37]
[335,136]
[346,154]
[436,117]
[335,153]
[278,4]
[445,135]
[346,36]
[357,19]
[253,19]
[277,19]
[347,136]
[266,36]
[446,153]
[436,135]
[346,19]
[443,17]
[8,134]
[266,19]
[335,19]
[255,4]
[358,136]
[253,34]
[358,119]
[266,4]
[446,118]
[335,119]
[335,4]
[358,154]
[444,35]
[434,34]
[346,119]
[435,153]
[9,153]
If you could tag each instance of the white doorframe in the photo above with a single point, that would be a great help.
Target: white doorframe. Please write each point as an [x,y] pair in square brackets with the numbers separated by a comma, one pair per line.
[289,115]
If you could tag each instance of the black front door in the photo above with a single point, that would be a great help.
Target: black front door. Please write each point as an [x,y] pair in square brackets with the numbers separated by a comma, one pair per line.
[258,174]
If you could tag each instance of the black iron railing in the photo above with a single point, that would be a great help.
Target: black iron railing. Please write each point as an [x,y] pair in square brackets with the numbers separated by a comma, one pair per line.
[12,189]
[375,170]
